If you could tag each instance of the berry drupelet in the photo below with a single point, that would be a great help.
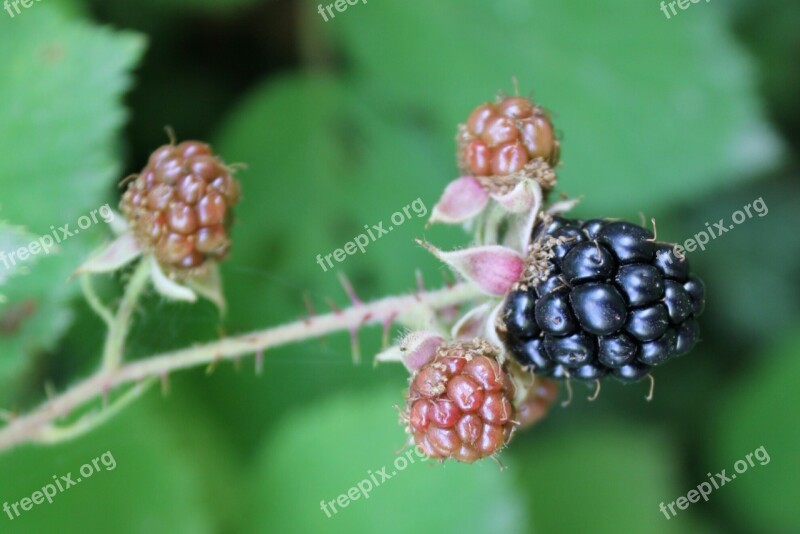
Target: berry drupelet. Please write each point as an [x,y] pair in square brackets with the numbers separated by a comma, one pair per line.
[179,207]
[459,405]
[600,297]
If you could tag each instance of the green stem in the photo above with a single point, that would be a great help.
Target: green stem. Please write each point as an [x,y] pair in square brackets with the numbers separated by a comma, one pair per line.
[94,301]
[37,425]
[115,340]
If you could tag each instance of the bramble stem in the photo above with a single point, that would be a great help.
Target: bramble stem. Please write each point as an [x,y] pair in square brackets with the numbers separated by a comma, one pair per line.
[118,329]
[94,301]
[39,424]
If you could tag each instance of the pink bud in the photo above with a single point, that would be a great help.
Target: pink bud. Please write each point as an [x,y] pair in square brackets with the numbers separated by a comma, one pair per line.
[113,256]
[472,323]
[419,348]
[493,268]
[462,199]
[525,197]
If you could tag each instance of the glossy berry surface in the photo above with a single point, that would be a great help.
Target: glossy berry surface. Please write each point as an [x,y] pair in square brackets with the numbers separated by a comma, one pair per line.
[611,301]
[501,138]
[460,404]
[179,206]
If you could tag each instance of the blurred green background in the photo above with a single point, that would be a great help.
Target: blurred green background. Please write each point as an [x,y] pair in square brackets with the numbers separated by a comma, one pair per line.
[341,123]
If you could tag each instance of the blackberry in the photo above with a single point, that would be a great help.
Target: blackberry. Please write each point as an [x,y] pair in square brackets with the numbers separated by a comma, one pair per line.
[459,405]
[501,138]
[605,298]
[179,206]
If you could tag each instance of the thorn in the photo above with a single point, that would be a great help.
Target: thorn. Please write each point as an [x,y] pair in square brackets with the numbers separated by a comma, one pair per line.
[49,390]
[355,347]
[649,396]
[498,462]
[387,328]
[655,230]
[447,280]
[310,307]
[165,384]
[127,179]
[333,306]
[596,390]
[170,134]
[420,281]
[213,365]
[402,414]
[568,401]
[104,396]
[402,449]
[348,289]
[259,362]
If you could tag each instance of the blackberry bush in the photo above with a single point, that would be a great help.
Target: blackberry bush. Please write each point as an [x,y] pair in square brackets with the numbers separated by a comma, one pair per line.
[600,297]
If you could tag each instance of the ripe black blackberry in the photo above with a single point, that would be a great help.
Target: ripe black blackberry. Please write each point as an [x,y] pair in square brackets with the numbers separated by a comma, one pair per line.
[599,297]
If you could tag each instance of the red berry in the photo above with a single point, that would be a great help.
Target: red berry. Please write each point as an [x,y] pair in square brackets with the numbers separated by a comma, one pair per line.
[180,206]
[460,404]
[501,138]
[541,395]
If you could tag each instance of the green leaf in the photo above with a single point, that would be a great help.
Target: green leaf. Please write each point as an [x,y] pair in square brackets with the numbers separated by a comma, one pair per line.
[652,114]
[612,475]
[11,239]
[150,482]
[61,109]
[760,412]
[200,5]
[322,452]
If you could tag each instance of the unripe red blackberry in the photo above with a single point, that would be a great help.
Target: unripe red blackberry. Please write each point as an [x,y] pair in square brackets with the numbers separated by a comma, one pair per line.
[459,404]
[600,297]
[501,138]
[541,395]
[179,207]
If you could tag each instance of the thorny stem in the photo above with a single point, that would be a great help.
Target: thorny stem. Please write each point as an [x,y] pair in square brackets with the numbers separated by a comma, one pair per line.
[118,329]
[39,424]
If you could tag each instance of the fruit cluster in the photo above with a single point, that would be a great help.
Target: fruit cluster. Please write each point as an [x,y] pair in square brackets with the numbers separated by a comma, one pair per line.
[180,206]
[600,297]
[460,404]
[500,139]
